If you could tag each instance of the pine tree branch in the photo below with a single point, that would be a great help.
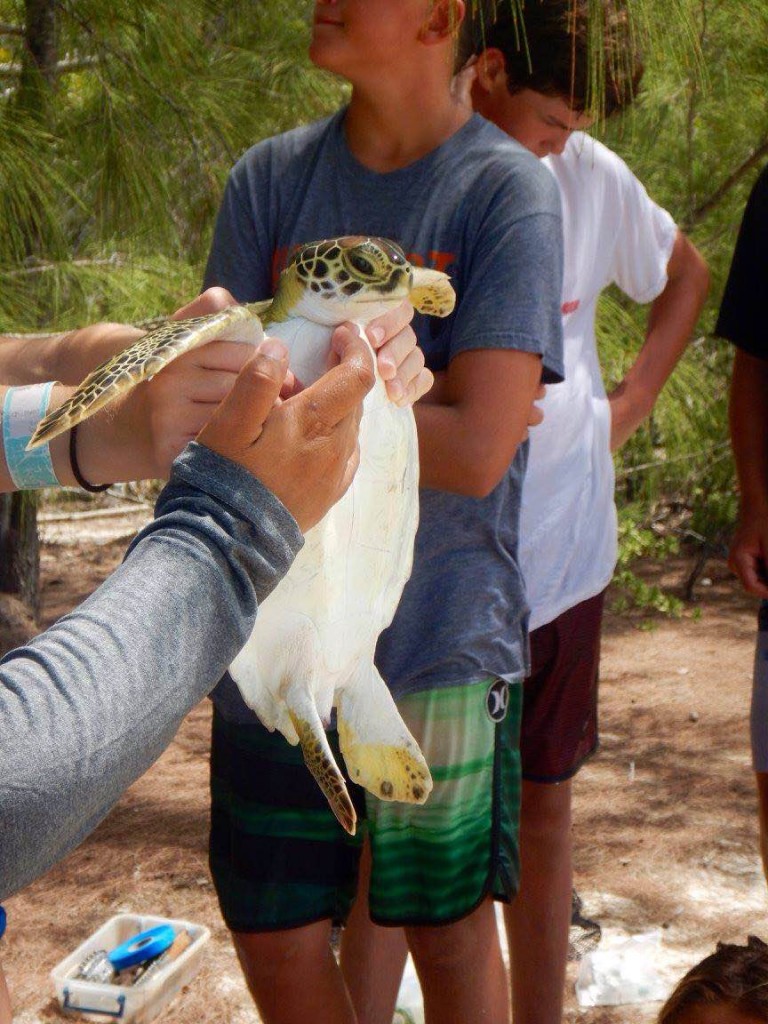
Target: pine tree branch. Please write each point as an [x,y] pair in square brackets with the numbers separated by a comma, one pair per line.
[730,182]
[62,66]
[722,447]
[11,30]
[44,268]
[123,59]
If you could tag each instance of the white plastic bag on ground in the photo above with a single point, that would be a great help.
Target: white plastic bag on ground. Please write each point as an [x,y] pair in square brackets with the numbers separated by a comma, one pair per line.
[625,972]
[410,1002]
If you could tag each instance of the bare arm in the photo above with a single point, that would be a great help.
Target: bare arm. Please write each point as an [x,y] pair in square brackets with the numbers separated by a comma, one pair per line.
[467,442]
[436,395]
[671,322]
[749,438]
[68,356]
[139,435]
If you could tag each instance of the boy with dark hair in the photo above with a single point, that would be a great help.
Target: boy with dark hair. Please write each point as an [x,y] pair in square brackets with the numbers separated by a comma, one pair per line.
[405,161]
[546,50]
[532,80]
[613,233]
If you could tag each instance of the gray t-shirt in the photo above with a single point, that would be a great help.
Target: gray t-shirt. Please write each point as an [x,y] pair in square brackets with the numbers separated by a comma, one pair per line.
[483,209]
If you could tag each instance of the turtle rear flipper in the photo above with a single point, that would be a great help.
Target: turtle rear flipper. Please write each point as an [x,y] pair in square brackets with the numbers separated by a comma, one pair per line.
[379,751]
[144,359]
[278,672]
[319,758]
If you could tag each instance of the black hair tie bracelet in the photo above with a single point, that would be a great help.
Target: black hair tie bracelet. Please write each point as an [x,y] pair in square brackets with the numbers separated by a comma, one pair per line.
[93,488]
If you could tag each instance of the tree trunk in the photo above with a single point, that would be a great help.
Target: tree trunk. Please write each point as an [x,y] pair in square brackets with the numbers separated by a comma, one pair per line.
[38,60]
[19,546]
[39,71]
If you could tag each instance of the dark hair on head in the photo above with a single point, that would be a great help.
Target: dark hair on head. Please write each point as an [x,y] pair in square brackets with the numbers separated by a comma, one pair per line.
[732,976]
[551,47]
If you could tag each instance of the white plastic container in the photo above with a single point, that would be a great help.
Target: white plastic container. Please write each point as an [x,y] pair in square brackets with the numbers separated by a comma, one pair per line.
[138,1004]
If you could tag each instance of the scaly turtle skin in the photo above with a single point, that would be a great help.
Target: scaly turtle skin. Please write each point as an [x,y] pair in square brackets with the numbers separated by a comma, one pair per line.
[313,644]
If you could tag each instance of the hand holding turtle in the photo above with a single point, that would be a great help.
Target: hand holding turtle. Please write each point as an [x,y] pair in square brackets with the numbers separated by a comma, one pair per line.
[146,428]
[303,448]
[143,434]
[400,362]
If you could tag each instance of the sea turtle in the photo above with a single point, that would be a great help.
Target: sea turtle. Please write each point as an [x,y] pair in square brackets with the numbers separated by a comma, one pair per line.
[313,644]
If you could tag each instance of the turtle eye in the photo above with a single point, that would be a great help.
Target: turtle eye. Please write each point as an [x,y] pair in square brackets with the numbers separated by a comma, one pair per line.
[362,265]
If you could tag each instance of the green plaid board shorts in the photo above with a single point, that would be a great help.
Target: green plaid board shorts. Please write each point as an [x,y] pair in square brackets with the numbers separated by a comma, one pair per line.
[279,859]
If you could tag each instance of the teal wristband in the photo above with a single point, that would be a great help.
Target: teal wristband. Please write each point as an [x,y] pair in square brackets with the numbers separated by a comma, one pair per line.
[23,409]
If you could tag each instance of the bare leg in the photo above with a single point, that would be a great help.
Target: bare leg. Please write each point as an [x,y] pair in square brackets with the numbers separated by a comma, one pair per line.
[372,957]
[293,975]
[762,806]
[538,921]
[6,1016]
[461,969]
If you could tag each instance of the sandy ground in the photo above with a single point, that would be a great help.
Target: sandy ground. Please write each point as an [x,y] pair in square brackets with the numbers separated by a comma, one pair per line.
[665,825]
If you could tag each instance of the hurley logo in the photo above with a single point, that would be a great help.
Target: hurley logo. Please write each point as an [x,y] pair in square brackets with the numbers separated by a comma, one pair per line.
[497,700]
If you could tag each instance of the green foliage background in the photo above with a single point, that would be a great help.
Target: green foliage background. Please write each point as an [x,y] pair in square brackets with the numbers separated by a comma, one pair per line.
[108,194]
[697,137]
[109,184]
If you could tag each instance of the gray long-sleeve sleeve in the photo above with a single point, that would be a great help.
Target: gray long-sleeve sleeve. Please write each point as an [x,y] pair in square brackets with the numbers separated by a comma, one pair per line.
[89,705]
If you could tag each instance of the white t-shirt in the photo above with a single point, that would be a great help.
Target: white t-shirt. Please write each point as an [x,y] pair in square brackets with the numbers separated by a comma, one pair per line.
[613,232]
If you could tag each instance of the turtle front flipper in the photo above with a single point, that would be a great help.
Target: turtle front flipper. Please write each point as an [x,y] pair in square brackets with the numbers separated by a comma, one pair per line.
[379,751]
[319,758]
[144,359]
[431,292]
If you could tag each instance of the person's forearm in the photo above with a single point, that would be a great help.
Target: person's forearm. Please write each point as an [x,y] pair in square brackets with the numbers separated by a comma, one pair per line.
[452,456]
[88,706]
[29,358]
[671,323]
[469,439]
[68,356]
[748,414]
[437,394]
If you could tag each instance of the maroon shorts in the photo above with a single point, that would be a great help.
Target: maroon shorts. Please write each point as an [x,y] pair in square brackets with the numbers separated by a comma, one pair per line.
[559,726]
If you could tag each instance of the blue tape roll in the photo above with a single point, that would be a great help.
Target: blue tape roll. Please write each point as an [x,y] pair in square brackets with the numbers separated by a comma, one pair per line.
[144,946]
[2,922]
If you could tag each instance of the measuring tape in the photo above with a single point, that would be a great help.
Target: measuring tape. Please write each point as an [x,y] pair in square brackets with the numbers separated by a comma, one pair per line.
[144,946]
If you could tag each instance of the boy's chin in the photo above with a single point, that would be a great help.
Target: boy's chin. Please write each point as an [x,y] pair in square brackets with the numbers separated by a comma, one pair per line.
[319,56]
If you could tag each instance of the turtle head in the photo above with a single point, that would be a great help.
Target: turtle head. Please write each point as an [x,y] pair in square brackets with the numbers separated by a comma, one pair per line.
[356,278]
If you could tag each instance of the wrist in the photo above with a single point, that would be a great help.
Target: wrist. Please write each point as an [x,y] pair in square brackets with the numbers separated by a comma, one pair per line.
[115,445]
[635,401]
[22,409]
